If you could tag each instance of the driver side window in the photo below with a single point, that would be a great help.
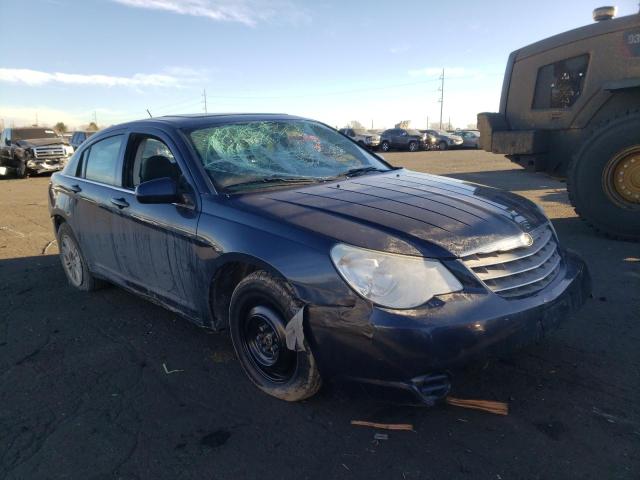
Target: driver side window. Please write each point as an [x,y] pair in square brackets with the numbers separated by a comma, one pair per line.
[149,158]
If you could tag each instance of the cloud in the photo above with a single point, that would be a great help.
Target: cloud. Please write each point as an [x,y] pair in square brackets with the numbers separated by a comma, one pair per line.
[178,77]
[399,49]
[247,12]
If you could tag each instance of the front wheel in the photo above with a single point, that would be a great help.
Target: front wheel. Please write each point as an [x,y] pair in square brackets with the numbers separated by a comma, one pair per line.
[413,146]
[21,170]
[603,179]
[384,146]
[261,307]
[442,146]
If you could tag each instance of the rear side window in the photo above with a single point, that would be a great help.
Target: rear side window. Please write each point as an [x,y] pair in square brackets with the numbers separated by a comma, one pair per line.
[559,85]
[102,161]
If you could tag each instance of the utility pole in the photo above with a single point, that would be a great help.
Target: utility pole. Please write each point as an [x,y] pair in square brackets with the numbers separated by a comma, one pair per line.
[95,118]
[441,96]
[428,127]
[204,97]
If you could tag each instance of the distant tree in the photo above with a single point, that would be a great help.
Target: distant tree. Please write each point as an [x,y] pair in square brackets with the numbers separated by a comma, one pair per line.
[472,126]
[93,127]
[403,124]
[60,127]
[355,124]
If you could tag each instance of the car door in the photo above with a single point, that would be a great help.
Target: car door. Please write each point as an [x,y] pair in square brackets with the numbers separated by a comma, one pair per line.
[157,242]
[4,149]
[92,189]
[402,139]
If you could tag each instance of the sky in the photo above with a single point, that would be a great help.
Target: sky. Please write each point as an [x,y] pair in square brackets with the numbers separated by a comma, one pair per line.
[334,61]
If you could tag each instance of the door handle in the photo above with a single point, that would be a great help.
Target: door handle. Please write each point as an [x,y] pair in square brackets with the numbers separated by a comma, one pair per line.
[75,188]
[120,203]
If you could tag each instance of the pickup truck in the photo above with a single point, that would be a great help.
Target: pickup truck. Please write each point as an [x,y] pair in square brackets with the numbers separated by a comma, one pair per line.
[32,150]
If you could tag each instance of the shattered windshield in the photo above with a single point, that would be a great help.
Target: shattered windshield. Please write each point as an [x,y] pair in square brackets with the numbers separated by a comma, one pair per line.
[283,150]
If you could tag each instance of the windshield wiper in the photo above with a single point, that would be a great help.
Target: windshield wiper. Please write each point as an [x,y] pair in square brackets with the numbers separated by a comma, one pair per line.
[269,181]
[354,172]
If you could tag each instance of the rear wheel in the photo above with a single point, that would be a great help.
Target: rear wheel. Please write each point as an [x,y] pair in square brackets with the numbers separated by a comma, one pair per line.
[261,307]
[384,146]
[603,179]
[73,262]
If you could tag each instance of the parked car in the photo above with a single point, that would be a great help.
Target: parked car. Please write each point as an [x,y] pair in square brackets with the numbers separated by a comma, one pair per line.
[363,137]
[320,258]
[80,136]
[402,139]
[470,138]
[32,150]
[446,140]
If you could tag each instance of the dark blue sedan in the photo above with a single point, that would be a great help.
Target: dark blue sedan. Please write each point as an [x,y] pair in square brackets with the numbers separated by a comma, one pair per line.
[321,259]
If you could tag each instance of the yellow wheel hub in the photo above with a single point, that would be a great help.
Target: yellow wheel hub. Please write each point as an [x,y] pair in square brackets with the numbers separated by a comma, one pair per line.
[626,177]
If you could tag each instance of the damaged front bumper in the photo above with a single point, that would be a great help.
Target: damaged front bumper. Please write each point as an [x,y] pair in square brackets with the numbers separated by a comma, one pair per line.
[48,165]
[415,350]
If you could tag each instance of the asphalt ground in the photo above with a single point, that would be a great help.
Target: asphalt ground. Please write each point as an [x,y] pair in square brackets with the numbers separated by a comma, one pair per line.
[106,385]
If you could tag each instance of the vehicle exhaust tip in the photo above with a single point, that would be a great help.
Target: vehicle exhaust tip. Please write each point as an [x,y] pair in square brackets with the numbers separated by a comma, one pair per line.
[604,13]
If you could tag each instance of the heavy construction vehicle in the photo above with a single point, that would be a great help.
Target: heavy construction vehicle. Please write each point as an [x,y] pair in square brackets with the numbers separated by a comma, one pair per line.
[570,106]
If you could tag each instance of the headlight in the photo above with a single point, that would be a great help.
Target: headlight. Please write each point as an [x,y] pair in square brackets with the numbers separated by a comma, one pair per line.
[391,280]
[68,150]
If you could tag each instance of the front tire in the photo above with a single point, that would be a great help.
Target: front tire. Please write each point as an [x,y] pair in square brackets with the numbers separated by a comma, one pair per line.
[385,146]
[261,307]
[21,170]
[603,179]
[443,146]
[413,146]
[73,261]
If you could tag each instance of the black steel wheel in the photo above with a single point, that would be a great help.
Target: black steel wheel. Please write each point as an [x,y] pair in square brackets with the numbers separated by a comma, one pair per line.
[261,307]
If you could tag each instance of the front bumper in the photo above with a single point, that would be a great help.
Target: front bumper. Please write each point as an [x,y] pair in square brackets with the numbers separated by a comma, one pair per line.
[48,165]
[400,349]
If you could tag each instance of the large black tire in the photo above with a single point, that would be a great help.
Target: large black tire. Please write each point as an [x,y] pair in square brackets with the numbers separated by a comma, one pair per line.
[590,181]
[74,263]
[21,170]
[261,307]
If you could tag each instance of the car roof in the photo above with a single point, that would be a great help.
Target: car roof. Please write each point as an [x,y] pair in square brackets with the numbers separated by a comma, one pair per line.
[192,121]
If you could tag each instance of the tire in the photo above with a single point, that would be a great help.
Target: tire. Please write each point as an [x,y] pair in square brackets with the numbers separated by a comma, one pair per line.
[442,146]
[261,306]
[413,146]
[21,170]
[384,146]
[590,179]
[77,274]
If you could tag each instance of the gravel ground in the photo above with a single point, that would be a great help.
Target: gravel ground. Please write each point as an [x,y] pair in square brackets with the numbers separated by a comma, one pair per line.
[84,392]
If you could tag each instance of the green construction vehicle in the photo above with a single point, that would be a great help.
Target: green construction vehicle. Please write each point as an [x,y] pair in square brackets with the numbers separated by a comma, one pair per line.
[570,106]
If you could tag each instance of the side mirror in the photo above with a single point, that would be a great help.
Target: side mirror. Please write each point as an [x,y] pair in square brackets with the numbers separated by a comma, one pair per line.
[159,190]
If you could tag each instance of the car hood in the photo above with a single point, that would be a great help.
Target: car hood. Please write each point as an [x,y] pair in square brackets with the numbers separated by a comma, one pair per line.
[40,142]
[402,212]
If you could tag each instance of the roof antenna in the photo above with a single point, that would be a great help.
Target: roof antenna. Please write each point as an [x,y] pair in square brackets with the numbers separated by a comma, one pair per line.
[150,116]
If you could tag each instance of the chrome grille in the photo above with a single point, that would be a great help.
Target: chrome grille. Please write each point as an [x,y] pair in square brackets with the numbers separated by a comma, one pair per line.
[54,151]
[521,271]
